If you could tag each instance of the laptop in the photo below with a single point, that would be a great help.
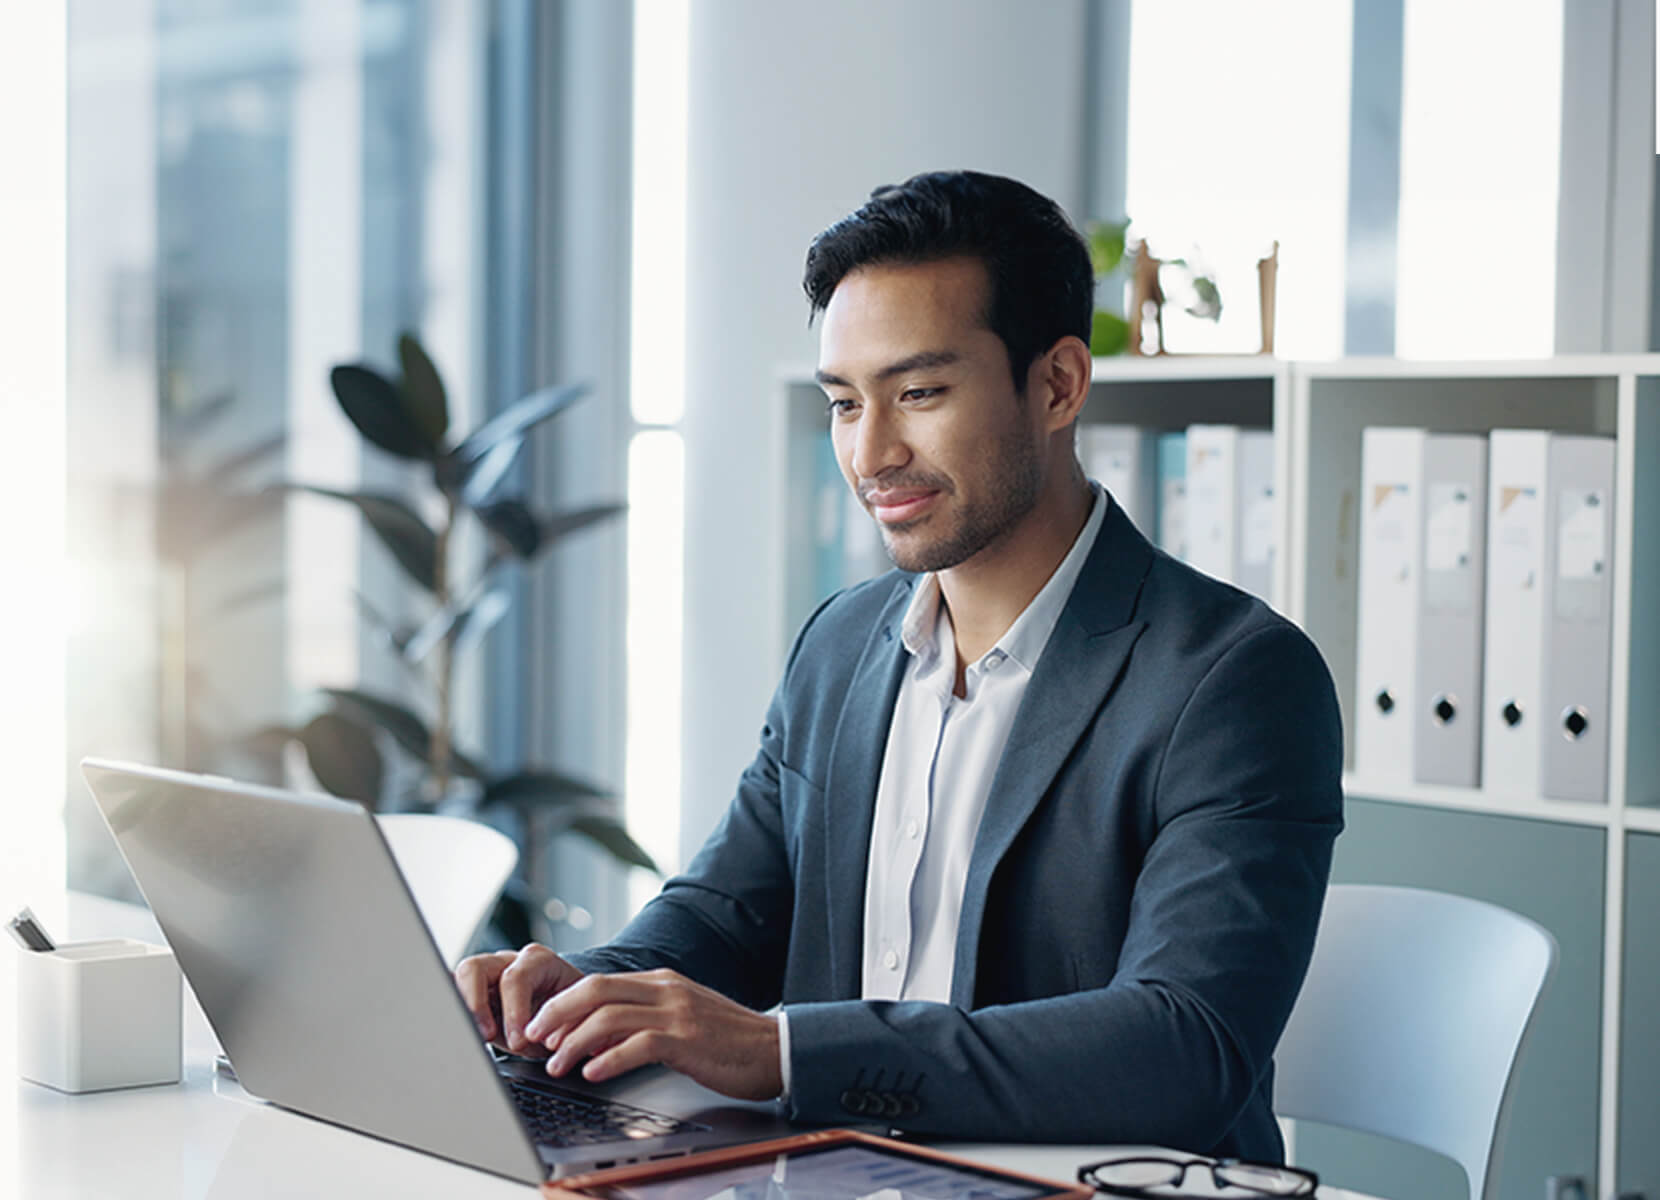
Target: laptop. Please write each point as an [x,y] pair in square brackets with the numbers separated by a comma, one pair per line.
[289,917]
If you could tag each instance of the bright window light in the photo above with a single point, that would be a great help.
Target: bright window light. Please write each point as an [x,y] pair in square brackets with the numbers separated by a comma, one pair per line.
[659,273]
[1477,229]
[656,474]
[33,316]
[656,457]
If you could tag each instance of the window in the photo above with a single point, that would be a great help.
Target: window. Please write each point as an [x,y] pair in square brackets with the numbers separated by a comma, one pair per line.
[258,190]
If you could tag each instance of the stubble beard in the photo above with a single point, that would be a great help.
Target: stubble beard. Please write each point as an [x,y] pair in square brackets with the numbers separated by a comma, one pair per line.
[1011,493]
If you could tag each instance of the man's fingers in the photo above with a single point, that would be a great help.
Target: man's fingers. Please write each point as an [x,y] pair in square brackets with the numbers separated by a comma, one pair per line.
[570,1006]
[601,1029]
[534,972]
[476,978]
[639,1049]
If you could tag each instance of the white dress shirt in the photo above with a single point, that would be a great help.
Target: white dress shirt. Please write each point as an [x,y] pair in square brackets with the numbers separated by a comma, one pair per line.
[937,770]
[942,753]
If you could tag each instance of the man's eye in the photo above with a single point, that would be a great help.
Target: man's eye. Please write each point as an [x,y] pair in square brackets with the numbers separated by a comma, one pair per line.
[838,406]
[924,393]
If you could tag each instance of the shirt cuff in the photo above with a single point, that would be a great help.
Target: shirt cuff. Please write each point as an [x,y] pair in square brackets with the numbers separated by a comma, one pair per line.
[784,1054]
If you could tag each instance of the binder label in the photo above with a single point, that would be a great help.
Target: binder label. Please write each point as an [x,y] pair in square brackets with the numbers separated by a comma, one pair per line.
[1447,533]
[1515,531]
[1582,532]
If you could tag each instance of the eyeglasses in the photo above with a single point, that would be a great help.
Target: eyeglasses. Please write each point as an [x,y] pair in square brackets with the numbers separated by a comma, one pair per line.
[1157,1178]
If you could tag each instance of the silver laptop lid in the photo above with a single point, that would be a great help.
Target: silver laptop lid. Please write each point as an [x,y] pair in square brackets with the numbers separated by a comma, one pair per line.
[289,917]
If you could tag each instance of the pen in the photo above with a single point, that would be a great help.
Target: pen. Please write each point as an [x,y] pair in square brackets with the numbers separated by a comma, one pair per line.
[26,929]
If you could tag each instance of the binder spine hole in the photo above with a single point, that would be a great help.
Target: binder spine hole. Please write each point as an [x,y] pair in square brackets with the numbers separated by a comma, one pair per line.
[1512,714]
[1446,708]
[1574,723]
[1385,701]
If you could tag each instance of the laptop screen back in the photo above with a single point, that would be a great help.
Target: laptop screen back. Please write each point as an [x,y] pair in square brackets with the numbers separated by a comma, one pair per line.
[289,917]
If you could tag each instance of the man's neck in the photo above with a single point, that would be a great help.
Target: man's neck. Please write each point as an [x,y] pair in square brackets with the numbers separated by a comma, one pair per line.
[986,594]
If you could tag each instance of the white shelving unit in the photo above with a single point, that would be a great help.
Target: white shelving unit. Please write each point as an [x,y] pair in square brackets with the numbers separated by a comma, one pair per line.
[1317,412]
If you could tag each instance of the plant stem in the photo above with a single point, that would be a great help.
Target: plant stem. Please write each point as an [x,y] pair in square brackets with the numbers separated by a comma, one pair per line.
[441,739]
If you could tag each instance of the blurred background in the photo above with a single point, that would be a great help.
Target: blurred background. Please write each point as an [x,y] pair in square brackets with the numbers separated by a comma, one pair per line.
[619,196]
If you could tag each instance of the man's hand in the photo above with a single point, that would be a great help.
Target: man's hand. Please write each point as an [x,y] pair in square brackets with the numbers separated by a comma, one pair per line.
[619,1022]
[504,989]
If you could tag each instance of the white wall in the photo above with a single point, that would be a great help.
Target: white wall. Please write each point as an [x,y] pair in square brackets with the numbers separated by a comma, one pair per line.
[796,111]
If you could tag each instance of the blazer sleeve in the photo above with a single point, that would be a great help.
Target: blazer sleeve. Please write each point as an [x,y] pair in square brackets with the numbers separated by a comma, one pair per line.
[1248,802]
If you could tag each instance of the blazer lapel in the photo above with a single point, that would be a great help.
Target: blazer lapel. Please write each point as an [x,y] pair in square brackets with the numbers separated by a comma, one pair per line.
[1086,653]
[850,790]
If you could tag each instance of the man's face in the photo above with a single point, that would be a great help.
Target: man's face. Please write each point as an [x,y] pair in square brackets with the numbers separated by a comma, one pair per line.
[928,426]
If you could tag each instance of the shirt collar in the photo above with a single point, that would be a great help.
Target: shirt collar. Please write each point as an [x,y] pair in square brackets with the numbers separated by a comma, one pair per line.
[923,632]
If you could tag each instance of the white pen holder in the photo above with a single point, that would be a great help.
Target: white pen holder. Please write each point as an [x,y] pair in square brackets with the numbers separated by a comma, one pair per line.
[98,1015]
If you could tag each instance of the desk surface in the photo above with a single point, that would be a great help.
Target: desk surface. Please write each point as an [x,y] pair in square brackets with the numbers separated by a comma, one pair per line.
[206,1138]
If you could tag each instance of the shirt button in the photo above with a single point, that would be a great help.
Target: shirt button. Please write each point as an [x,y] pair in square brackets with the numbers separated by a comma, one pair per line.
[890,960]
[912,829]
[994,660]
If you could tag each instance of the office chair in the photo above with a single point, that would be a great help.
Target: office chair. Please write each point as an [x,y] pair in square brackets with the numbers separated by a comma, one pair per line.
[455,870]
[1412,1020]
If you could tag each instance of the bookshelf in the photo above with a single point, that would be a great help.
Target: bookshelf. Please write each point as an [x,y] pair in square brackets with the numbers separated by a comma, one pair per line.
[1587,1087]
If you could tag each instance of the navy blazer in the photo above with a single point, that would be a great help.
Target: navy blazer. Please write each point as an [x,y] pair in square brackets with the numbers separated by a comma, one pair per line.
[1142,896]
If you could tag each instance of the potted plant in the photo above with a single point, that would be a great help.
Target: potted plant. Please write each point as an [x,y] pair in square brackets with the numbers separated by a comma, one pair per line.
[408,417]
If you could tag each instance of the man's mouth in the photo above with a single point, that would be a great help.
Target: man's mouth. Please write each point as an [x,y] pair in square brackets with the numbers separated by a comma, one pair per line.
[897,505]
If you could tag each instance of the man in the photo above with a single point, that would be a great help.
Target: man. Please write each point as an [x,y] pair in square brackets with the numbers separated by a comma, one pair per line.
[1035,842]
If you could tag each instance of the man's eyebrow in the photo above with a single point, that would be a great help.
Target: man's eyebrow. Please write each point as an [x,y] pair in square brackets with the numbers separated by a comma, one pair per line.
[921,361]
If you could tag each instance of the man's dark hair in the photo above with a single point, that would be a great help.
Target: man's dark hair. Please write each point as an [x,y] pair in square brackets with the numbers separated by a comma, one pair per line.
[1042,286]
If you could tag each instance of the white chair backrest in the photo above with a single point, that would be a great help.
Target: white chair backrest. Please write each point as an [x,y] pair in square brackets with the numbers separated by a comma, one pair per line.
[1412,1020]
[455,869]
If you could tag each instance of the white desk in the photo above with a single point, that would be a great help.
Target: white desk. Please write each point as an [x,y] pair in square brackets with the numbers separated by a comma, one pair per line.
[205,1138]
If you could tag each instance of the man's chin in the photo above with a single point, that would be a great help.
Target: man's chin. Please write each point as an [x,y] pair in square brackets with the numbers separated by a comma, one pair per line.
[917,554]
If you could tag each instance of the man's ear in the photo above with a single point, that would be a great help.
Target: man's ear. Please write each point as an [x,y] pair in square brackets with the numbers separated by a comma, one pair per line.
[1065,370]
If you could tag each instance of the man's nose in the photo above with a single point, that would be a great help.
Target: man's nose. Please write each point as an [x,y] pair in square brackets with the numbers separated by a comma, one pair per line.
[878,445]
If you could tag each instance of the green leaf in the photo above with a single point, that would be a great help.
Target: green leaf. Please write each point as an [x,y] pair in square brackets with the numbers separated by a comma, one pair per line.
[344,757]
[423,391]
[399,527]
[373,403]
[1106,245]
[608,834]
[513,522]
[407,729]
[561,525]
[1207,305]
[1109,334]
[515,420]
[469,623]
[483,478]
[478,619]
[539,788]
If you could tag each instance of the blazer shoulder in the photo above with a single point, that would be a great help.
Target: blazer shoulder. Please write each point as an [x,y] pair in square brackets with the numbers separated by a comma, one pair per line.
[845,619]
[1201,618]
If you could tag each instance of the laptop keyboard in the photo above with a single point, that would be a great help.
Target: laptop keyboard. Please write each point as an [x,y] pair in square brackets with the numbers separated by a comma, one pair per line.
[558,1118]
